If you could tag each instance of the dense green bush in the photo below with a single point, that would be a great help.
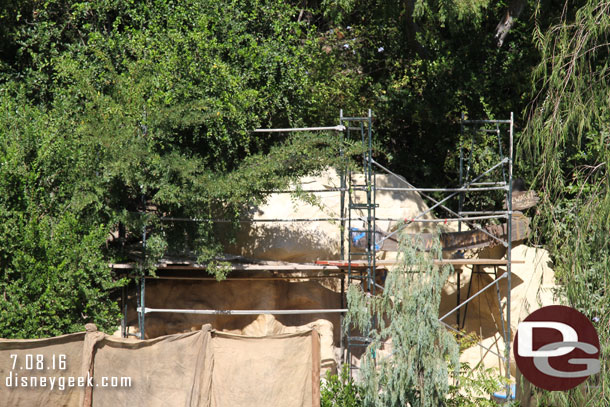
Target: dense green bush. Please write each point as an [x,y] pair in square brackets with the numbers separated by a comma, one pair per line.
[54,275]
[340,390]
[116,113]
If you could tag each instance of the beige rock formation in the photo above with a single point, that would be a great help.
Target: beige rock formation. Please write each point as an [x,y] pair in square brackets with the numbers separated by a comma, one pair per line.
[532,282]
[311,241]
[243,294]
[532,287]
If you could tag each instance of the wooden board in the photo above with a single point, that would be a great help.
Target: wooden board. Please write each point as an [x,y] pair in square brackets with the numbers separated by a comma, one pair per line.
[455,262]
[235,267]
[471,239]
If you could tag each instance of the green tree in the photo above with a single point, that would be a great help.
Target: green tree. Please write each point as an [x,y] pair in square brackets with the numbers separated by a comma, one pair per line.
[54,276]
[115,114]
[415,372]
[568,140]
[423,63]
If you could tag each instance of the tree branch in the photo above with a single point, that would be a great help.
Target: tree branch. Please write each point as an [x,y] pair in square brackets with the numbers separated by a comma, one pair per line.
[412,29]
[514,11]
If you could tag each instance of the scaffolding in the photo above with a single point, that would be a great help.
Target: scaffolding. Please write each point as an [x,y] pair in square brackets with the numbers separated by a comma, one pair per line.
[358,227]
[143,310]
[497,176]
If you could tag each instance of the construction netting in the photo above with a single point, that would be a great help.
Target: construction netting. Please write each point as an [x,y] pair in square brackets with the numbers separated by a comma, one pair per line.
[203,368]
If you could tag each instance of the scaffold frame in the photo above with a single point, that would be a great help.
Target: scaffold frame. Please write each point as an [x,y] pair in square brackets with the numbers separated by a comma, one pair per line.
[361,266]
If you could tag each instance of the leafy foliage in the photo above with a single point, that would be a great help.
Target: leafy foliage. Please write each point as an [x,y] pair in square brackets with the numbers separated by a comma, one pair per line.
[424,63]
[340,390]
[54,275]
[473,385]
[482,148]
[415,372]
[565,134]
[568,139]
[116,114]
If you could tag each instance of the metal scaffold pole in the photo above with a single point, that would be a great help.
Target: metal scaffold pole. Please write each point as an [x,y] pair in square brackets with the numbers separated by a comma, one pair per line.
[361,206]
[475,126]
[342,173]
[142,282]
[509,207]
[358,217]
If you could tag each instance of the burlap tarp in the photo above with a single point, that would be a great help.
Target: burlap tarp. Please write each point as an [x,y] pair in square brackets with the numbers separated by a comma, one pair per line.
[202,368]
[18,360]
[248,363]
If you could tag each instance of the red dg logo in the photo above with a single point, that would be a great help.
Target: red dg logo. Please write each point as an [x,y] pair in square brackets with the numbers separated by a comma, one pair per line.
[557,348]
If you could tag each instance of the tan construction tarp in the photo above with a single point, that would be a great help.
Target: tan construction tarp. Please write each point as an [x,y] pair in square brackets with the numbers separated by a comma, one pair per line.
[248,363]
[172,370]
[19,360]
[197,369]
